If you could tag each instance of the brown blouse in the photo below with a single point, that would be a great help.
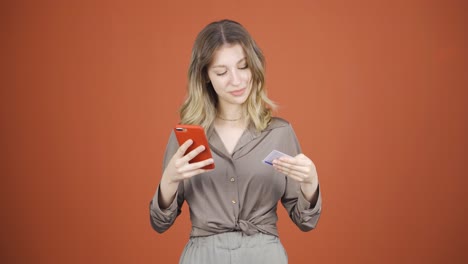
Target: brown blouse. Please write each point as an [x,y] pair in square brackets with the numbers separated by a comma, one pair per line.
[242,192]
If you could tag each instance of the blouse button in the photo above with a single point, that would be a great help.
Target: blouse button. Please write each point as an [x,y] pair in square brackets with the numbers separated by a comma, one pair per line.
[232,179]
[233,201]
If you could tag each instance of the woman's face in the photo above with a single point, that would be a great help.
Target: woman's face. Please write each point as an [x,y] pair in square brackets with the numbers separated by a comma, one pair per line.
[230,75]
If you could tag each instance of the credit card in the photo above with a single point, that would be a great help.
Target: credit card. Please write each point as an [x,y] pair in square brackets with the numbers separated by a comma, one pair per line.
[275,154]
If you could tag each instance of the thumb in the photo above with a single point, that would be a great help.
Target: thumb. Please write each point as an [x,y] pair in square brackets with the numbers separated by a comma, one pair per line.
[301,156]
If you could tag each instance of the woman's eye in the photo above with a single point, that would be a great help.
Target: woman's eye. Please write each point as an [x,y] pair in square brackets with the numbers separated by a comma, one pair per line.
[221,74]
[244,67]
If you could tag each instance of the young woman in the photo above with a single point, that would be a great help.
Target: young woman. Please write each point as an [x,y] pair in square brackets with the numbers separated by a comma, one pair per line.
[233,207]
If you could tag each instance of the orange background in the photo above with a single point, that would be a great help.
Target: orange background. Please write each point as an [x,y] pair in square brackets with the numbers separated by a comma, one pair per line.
[376,91]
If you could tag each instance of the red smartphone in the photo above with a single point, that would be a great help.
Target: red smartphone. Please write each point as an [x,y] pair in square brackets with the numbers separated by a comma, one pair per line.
[197,134]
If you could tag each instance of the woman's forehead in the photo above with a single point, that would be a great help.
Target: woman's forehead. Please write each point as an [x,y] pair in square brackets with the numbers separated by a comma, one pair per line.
[227,54]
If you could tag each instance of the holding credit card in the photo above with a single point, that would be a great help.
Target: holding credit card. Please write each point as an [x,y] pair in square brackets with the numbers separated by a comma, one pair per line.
[275,154]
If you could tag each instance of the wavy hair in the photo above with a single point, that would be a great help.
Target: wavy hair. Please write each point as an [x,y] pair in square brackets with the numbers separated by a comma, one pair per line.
[200,106]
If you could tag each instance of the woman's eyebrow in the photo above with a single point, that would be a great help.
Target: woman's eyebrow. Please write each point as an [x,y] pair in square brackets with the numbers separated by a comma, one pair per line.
[224,66]
[218,66]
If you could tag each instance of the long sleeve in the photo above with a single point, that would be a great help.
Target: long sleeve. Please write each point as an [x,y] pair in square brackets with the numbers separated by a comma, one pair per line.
[301,212]
[304,214]
[162,219]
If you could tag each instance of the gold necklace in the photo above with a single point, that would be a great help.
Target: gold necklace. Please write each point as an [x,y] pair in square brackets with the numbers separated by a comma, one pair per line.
[231,120]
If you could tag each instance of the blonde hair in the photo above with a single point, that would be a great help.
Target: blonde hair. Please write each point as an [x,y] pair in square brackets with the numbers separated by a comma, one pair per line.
[200,106]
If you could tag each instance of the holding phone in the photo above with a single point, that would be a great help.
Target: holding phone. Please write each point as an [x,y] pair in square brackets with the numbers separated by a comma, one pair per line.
[197,135]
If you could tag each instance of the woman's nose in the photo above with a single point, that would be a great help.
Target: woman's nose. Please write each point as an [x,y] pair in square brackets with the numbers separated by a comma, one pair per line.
[235,77]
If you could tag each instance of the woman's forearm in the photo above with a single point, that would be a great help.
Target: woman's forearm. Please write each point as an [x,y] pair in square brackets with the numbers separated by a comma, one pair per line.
[167,192]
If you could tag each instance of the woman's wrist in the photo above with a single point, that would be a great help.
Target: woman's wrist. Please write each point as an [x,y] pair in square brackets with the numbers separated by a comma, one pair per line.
[167,191]
[309,190]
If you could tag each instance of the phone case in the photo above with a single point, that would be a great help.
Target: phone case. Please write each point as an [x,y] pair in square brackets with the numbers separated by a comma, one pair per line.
[197,134]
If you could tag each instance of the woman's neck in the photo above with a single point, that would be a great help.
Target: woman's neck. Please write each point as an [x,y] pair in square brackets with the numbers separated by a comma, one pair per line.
[230,113]
[231,116]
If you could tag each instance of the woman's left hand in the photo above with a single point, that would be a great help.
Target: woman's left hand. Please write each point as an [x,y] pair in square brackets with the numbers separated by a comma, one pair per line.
[301,169]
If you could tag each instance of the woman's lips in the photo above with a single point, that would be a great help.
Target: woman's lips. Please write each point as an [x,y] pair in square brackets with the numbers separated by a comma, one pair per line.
[238,92]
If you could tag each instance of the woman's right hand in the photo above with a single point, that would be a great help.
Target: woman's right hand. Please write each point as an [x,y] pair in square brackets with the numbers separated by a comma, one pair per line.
[179,167]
